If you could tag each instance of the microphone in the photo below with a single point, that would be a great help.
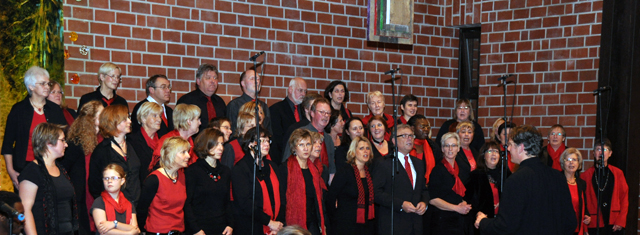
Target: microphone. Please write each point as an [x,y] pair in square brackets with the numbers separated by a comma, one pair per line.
[504,77]
[601,89]
[11,211]
[254,57]
[392,71]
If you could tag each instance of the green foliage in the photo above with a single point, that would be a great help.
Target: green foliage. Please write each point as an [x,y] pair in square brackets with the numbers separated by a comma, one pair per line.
[31,34]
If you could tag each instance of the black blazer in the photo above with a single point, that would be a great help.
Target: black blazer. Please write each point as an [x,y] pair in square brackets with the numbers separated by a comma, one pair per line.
[344,190]
[16,133]
[199,99]
[102,156]
[463,163]
[143,151]
[405,223]
[164,129]
[282,117]
[96,95]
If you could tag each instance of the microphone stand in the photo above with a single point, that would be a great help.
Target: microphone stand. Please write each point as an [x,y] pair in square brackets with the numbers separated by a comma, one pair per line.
[600,162]
[258,154]
[394,134]
[503,154]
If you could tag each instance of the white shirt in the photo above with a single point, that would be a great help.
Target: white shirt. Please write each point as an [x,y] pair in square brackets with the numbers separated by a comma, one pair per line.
[164,110]
[413,169]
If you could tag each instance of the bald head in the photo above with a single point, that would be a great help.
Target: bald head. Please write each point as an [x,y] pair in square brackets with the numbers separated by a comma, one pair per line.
[297,90]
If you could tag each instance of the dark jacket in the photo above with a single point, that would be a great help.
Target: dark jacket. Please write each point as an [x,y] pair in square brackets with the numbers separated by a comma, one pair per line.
[478,133]
[102,156]
[143,151]
[96,95]
[164,129]
[208,205]
[535,200]
[344,191]
[16,133]
[199,99]
[480,195]
[282,117]
[404,223]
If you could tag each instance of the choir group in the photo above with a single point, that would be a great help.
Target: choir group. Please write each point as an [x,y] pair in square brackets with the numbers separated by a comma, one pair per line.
[207,167]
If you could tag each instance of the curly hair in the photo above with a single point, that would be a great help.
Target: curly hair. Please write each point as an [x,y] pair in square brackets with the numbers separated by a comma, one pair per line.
[529,137]
[82,131]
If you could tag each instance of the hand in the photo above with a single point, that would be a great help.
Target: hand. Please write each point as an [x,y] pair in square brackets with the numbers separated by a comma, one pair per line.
[105,226]
[408,207]
[227,231]
[14,176]
[421,208]
[617,228]
[275,226]
[463,208]
[479,218]
[200,233]
[135,231]
[587,219]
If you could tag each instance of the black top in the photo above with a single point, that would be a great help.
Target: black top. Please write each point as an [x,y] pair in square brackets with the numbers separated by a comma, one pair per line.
[607,194]
[96,95]
[234,107]
[242,180]
[310,192]
[16,133]
[344,191]
[199,99]
[478,134]
[341,156]
[463,163]
[480,194]
[208,205]
[377,156]
[102,156]
[164,129]
[229,153]
[441,183]
[74,162]
[535,200]
[120,217]
[63,197]
[282,116]
[143,151]
[344,112]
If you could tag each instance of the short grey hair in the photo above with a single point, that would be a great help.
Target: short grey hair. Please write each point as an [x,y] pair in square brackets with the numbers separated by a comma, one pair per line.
[31,76]
[450,135]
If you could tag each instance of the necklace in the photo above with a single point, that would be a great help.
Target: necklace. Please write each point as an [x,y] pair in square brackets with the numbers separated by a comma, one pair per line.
[376,142]
[34,106]
[572,181]
[605,182]
[122,150]
[172,179]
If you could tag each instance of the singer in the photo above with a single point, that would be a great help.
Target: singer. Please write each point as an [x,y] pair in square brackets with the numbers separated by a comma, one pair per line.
[12,200]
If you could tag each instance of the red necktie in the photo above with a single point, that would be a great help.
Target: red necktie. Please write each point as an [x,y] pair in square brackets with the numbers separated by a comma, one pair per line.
[211,111]
[164,117]
[407,167]
[108,101]
[295,113]
[324,155]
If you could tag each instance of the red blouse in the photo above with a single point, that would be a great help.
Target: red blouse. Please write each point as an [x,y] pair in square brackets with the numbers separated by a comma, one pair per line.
[37,119]
[575,200]
[166,210]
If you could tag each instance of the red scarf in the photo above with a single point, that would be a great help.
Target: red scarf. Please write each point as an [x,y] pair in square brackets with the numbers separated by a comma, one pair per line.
[156,152]
[403,120]
[361,203]
[426,156]
[458,187]
[68,116]
[469,155]
[296,193]
[555,155]
[111,206]
[237,150]
[152,143]
[108,101]
[267,208]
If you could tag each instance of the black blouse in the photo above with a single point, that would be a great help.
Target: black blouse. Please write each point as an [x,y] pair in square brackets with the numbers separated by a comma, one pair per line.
[102,156]
[208,205]
[143,151]
[96,95]
[344,191]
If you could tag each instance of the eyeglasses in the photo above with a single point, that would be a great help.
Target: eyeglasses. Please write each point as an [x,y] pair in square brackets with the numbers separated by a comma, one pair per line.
[570,160]
[265,140]
[410,136]
[556,134]
[463,107]
[492,151]
[119,78]
[302,145]
[605,149]
[45,84]
[114,178]
[163,87]
[63,140]
[56,92]
[450,146]
[325,113]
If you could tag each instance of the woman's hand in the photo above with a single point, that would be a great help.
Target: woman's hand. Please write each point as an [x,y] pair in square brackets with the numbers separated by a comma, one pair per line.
[479,218]
[201,232]
[227,231]
[105,226]
[617,228]
[275,226]
[421,208]
[463,208]
[587,219]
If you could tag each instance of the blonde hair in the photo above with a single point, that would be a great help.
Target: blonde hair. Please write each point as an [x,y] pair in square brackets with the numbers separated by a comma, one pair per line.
[148,108]
[372,94]
[450,135]
[170,148]
[494,128]
[250,107]
[351,154]
[106,68]
[297,136]
[242,121]
[183,113]
[465,124]
[315,136]
[568,153]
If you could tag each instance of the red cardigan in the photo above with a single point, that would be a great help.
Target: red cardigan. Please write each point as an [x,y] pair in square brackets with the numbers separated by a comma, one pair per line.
[619,199]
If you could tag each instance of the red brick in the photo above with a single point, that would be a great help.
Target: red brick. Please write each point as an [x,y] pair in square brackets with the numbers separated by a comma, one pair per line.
[161,10]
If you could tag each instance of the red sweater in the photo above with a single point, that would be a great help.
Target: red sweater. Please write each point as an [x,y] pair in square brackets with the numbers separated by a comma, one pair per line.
[166,210]
[619,199]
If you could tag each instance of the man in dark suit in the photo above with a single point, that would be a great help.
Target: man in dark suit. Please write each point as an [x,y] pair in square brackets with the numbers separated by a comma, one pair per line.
[410,195]
[536,198]
[248,81]
[210,104]
[285,113]
[158,89]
